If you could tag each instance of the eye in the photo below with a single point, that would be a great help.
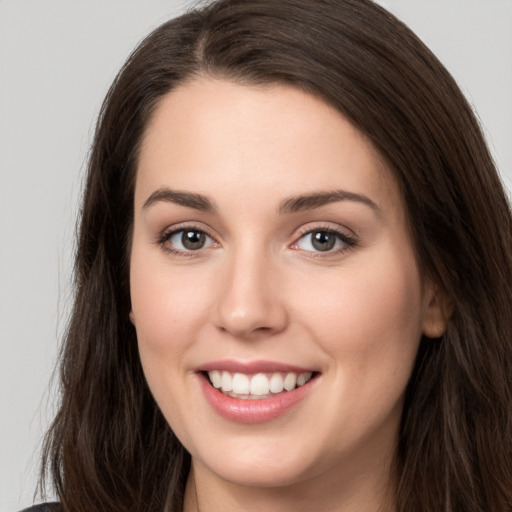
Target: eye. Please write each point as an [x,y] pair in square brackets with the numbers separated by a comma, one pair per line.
[324,240]
[186,240]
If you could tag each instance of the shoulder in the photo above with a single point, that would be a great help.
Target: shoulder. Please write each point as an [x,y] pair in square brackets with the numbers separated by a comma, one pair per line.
[44,507]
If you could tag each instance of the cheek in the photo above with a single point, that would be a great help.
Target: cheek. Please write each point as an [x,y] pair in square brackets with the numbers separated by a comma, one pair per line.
[369,325]
[166,303]
[369,317]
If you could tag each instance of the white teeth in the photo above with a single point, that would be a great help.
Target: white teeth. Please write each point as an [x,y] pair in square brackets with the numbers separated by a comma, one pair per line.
[241,384]
[290,381]
[226,382]
[276,383]
[259,385]
[216,378]
[302,378]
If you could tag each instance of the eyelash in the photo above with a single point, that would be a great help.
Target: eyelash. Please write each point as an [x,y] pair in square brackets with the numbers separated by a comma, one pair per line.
[349,241]
[166,235]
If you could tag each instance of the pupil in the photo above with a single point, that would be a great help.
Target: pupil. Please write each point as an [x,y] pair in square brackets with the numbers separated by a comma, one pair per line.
[193,240]
[323,241]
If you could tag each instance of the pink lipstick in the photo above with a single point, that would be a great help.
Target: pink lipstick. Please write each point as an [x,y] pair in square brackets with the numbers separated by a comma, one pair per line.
[256,391]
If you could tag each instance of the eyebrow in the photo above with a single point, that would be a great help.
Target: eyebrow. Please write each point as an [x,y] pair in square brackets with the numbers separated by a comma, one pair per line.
[317,199]
[290,205]
[188,199]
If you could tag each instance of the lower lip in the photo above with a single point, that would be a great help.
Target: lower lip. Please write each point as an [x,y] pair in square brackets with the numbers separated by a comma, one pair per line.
[253,411]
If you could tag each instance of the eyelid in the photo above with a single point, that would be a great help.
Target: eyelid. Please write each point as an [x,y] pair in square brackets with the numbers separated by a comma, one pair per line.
[325,226]
[349,238]
[164,236]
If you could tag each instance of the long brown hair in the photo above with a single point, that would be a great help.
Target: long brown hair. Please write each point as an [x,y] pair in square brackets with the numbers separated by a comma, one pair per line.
[109,447]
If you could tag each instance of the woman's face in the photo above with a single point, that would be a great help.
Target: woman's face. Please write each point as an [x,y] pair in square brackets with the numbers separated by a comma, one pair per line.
[271,256]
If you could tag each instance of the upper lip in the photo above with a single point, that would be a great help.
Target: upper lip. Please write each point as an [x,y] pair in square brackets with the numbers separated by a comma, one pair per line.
[251,367]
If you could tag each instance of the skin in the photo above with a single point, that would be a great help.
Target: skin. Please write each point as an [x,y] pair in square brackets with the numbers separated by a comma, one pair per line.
[259,289]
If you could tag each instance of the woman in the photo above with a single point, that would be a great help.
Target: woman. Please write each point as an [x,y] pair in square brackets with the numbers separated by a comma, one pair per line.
[293,277]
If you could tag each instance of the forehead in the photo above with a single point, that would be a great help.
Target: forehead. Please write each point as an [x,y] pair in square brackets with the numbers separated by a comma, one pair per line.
[214,136]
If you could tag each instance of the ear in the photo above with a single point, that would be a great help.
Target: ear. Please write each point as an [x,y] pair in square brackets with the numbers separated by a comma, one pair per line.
[438,312]
[132,317]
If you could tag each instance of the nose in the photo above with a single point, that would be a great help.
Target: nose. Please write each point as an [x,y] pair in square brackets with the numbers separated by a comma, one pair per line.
[250,301]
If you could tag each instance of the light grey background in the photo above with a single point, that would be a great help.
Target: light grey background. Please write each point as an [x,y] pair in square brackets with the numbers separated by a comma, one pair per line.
[57,59]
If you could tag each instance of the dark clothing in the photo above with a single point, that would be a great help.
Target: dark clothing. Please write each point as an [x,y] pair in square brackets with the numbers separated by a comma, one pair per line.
[44,507]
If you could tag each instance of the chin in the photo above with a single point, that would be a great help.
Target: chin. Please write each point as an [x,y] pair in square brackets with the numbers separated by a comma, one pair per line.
[260,464]
[250,474]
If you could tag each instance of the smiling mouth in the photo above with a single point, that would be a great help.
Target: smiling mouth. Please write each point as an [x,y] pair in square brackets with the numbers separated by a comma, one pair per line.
[257,386]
